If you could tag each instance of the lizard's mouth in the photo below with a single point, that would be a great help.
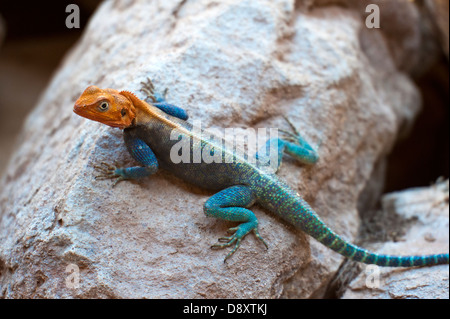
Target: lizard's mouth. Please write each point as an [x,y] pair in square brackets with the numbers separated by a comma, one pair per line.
[84,111]
[78,109]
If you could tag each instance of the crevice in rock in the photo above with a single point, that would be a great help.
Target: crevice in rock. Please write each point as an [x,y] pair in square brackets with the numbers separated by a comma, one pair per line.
[2,267]
[177,9]
[175,13]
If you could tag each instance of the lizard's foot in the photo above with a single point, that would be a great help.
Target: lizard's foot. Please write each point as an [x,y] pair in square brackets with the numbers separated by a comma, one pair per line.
[109,171]
[293,137]
[297,146]
[238,232]
[149,89]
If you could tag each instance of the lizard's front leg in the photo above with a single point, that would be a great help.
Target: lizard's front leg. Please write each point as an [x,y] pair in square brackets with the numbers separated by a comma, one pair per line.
[159,100]
[141,152]
[230,204]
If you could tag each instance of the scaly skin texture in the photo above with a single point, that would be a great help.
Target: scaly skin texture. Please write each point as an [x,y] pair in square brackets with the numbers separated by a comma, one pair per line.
[240,183]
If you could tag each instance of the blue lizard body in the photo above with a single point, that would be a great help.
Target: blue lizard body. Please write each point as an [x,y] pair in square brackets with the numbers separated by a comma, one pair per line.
[240,183]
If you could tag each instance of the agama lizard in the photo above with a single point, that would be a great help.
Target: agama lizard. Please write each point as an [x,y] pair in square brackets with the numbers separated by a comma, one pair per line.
[147,129]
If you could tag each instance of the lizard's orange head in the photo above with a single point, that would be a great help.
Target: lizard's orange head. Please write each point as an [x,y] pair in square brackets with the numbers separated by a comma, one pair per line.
[106,106]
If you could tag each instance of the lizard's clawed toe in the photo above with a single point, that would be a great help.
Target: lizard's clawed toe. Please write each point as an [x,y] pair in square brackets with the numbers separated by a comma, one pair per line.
[108,171]
[149,90]
[238,232]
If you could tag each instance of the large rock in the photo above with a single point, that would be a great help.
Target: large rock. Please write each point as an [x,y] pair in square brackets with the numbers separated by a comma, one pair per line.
[230,64]
[425,211]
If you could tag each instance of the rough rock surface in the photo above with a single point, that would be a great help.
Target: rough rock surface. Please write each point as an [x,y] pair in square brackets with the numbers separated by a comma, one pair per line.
[231,64]
[427,208]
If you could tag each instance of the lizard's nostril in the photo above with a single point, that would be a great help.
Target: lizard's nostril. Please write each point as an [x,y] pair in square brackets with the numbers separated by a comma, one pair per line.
[78,107]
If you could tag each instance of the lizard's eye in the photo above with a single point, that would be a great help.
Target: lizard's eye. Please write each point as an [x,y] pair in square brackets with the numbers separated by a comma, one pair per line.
[123,112]
[103,106]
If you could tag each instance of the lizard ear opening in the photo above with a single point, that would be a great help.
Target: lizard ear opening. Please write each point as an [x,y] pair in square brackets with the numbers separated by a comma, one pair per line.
[123,112]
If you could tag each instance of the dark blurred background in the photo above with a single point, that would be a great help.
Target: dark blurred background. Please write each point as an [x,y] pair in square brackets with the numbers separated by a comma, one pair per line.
[34,39]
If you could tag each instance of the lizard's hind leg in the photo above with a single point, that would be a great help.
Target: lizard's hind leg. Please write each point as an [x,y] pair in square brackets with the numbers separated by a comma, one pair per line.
[297,147]
[230,204]
[292,143]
